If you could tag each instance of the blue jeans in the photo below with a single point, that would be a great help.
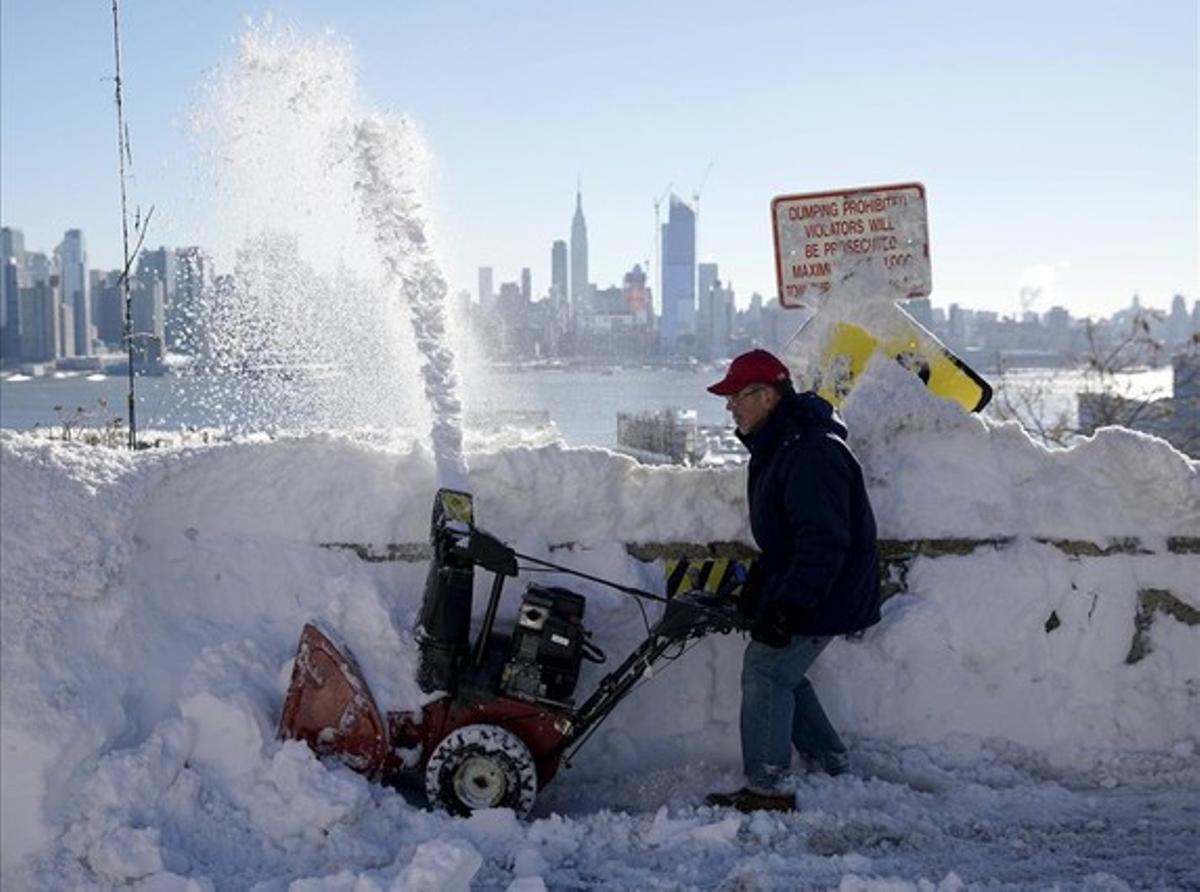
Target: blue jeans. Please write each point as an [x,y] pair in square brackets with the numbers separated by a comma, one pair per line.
[780,709]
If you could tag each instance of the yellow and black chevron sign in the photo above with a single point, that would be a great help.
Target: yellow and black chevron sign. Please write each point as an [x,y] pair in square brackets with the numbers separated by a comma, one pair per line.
[722,576]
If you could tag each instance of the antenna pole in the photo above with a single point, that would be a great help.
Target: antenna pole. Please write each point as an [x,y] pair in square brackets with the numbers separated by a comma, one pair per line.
[122,152]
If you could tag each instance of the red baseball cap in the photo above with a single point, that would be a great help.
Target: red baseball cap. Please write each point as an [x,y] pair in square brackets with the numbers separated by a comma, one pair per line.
[755,367]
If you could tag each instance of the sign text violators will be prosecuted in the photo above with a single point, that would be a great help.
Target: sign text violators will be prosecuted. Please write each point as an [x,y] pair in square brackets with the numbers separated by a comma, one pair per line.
[822,238]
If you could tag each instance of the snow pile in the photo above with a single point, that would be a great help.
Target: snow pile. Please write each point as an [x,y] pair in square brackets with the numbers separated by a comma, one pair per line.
[935,471]
[151,606]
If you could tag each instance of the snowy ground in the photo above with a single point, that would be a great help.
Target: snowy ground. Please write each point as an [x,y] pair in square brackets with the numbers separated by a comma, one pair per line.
[151,606]
[913,815]
[914,820]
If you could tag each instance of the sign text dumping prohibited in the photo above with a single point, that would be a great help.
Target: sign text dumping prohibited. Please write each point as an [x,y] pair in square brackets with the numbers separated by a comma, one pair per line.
[821,238]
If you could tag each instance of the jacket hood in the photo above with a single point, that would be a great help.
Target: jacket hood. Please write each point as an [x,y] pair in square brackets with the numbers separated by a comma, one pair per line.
[810,410]
[796,410]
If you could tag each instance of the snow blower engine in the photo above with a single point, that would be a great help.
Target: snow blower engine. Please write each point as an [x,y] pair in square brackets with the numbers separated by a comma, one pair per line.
[502,716]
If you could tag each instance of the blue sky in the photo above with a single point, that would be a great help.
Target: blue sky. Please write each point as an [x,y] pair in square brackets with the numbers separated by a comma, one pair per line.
[1057,140]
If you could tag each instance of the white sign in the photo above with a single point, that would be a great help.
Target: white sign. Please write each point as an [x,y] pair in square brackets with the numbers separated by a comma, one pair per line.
[824,240]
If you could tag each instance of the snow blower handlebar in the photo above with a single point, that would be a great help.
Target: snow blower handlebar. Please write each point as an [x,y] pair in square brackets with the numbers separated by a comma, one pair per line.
[453,528]
[627,589]
[684,615]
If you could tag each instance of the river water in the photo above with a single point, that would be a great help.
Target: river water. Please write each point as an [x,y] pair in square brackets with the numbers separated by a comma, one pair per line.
[582,404]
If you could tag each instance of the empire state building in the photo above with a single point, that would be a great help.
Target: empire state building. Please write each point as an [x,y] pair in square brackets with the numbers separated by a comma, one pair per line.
[579,256]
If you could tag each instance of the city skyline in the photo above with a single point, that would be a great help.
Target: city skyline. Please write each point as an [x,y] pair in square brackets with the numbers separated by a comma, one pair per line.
[43,260]
[57,308]
[1059,156]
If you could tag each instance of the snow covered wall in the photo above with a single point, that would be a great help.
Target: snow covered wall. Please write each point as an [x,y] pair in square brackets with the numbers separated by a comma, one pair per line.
[151,604]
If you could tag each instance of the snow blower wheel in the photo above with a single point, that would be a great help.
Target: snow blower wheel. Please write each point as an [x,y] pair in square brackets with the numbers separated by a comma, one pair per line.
[481,766]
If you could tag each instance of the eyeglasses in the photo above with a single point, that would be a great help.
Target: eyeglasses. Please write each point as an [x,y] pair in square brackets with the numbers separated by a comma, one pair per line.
[735,398]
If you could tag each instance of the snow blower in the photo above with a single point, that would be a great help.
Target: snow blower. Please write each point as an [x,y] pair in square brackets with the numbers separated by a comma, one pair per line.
[503,718]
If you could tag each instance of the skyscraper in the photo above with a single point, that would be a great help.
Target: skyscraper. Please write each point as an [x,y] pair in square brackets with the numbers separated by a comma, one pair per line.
[707,274]
[579,256]
[487,294]
[152,298]
[723,313]
[149,317]
[66,322]
[526,285]
[108,303]
[37,268]
[637,295]
[678,329]
[12,253]
[185,316]
[10,342]
[40,320]
[1178,323]
[12,244]
[76,288]
[559,290]
[708,296]
[12,247]
[160,263]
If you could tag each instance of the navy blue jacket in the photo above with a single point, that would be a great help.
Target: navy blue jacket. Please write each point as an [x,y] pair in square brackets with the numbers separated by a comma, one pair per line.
[811,517]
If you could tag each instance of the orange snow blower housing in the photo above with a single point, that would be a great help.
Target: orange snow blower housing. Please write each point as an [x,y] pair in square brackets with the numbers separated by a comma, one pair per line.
[503,718]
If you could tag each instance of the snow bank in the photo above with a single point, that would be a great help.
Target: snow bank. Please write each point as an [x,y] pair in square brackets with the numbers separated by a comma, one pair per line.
[936,471]
[151,605]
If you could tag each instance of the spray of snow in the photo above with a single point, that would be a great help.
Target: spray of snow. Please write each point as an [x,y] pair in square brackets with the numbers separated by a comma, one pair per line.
[386,152]
[334,302]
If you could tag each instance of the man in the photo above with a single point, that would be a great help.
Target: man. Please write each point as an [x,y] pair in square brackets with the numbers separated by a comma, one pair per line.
[817,576]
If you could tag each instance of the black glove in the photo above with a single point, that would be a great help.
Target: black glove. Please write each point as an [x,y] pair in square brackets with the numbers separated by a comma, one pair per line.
[750,596]
[773,627]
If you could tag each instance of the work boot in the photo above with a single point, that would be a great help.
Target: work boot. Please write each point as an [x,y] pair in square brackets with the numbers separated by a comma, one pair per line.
[749,800]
